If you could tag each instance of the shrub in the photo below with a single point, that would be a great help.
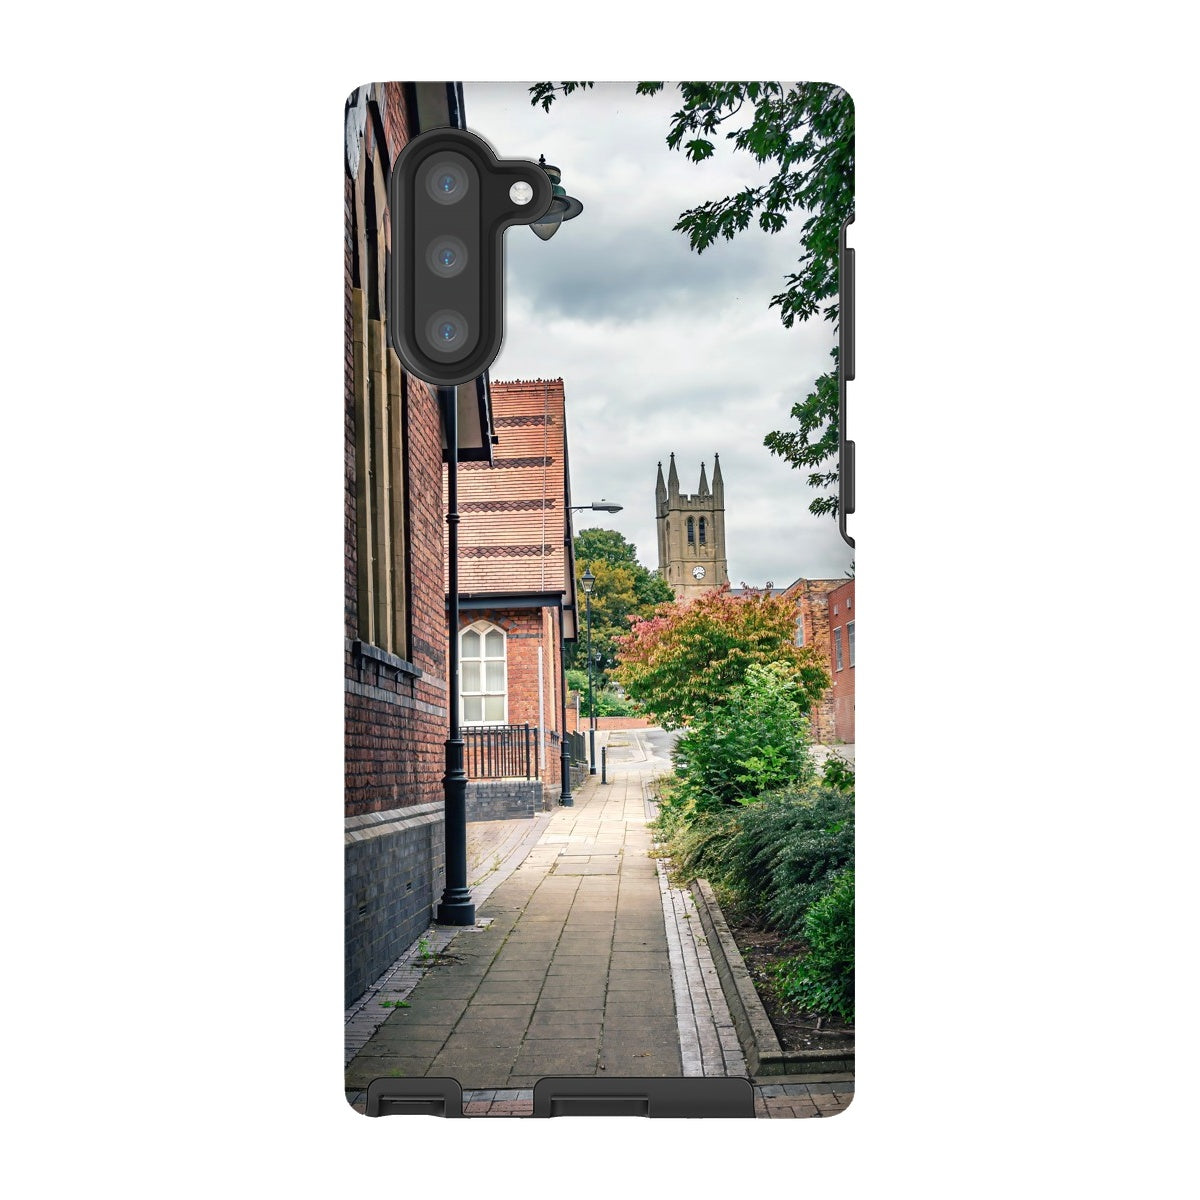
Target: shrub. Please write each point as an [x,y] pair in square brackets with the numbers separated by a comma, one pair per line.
[688,658]
[822,981]
[838,773]
[754,742]
[608,702]
[779,855]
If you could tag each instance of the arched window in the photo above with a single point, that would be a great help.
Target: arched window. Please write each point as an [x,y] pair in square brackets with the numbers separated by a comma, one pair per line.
[484,674]
[691,531]
[703,532]
[379,450]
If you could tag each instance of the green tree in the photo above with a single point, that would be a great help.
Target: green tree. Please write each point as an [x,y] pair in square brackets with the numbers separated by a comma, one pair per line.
[624,590]
[756,741]
[687,659]
[806,132]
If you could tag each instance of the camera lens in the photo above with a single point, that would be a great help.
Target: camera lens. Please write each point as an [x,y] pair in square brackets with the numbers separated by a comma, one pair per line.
[446,256]
[447,182]
[446,331]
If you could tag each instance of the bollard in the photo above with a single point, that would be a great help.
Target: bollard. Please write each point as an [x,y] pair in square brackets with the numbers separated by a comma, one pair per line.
[603,764]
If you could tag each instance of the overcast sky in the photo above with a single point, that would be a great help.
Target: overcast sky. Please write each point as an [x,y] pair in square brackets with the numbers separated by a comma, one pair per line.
[660,349]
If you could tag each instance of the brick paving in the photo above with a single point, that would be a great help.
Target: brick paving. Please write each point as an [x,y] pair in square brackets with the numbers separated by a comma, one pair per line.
[803,1096]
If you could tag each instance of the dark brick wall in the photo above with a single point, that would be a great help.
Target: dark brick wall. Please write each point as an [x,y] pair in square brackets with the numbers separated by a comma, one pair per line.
[503,799]
[394,874]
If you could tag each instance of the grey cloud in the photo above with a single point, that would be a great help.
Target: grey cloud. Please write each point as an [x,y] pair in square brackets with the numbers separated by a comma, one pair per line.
[660,349]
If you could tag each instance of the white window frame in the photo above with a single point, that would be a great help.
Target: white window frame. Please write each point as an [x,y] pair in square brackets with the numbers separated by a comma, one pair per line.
[850,643]
[838,658]
[483,628]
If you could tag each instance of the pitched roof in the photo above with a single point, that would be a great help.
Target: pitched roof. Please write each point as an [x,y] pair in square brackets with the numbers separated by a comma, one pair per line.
[514,513]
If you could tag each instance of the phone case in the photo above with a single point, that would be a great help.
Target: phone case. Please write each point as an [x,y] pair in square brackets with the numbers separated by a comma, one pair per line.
[599,619]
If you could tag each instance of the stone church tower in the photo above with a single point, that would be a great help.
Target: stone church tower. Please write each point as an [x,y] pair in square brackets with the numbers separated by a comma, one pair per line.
[691,533]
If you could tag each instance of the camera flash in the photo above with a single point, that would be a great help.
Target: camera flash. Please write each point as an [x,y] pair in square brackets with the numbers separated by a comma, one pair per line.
[520,192]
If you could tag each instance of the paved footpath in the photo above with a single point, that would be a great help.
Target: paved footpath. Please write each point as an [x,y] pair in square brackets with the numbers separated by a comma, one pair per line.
[583,963]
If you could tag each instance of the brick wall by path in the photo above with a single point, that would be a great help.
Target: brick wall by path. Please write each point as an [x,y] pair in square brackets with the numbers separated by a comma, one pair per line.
[394,875]
[395,703]
[608,722]
[503,799]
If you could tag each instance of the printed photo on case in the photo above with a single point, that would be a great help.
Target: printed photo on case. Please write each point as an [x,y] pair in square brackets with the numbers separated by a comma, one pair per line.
[606,865]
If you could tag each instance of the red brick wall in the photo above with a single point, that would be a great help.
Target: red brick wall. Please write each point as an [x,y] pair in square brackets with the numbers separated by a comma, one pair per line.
[607,722]
[841,614]
[396,719]
[811,597]
[526,630]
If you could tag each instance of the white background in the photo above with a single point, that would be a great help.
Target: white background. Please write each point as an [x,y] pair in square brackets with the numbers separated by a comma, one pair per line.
[172,477]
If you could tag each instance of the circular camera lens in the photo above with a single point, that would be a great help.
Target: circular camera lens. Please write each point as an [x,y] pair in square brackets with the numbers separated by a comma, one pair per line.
[446,332]
[446,256]
[447,182]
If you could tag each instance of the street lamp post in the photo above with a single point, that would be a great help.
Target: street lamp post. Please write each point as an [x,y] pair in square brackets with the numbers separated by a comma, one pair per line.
[598,506]
[456,907]
[588,580]
[562,208]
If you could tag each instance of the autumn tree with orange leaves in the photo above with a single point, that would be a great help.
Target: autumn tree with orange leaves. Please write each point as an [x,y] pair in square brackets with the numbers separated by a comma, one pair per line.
[685,659]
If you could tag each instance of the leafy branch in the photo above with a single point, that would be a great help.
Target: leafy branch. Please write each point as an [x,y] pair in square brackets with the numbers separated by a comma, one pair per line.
[806,131]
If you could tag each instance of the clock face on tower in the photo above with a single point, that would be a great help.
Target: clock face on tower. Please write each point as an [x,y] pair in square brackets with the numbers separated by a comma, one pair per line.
[697,572]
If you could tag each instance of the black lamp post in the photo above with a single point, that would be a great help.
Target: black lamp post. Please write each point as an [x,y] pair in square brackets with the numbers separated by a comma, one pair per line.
[456,907]
[562,208]
[564,796]
[588,580]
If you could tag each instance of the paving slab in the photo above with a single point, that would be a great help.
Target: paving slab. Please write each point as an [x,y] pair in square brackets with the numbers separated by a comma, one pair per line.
[585,962]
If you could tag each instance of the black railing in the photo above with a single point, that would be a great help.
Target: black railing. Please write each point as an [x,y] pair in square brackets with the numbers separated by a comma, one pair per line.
[501,751]
[577,746]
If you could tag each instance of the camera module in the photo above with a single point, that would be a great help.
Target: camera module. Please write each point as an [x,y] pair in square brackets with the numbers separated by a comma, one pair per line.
[447,181]
[446,256]
[446,331]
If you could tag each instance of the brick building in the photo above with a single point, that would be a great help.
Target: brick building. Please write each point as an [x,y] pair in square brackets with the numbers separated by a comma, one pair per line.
[517,573]
[841,659]
[811,597]
[395,604]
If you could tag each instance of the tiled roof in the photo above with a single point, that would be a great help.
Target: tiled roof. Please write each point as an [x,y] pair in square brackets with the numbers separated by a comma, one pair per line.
[513,527]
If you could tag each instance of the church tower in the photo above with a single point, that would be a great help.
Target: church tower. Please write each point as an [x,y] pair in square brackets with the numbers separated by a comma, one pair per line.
[691,533]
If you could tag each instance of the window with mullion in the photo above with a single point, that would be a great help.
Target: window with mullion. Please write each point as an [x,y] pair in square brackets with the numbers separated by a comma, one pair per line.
[484,675]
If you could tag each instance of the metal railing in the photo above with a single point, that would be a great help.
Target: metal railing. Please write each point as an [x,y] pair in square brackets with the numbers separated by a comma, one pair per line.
[577,747]
[501,751]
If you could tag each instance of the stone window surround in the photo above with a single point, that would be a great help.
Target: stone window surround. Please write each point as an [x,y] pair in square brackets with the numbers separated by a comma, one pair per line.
[483,628]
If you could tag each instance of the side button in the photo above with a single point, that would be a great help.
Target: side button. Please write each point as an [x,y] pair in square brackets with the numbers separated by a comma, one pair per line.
[847,314]
[847,474]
